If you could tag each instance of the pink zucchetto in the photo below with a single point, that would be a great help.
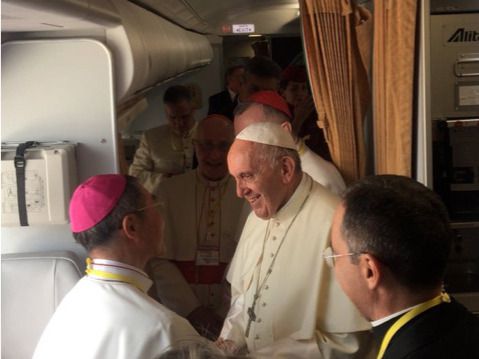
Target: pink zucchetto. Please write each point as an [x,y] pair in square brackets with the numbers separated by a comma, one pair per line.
[273,99]
[94,199]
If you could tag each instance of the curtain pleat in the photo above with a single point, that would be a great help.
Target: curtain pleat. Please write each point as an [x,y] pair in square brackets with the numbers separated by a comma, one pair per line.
[393,84]
[338,77]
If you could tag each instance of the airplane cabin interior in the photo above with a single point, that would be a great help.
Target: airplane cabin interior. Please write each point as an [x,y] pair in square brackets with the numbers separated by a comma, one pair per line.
[83,79]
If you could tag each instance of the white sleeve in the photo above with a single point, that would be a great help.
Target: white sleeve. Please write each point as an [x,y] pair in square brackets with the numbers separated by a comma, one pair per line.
[143,167]
[234,322]
[357,345]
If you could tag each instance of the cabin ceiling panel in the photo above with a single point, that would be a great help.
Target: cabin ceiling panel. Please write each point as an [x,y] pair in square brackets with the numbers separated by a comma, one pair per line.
[177,11]
[216,17]
[49,15]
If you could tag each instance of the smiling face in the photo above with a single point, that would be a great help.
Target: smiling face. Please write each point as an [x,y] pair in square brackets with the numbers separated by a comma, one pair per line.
[213,138]
[265,188]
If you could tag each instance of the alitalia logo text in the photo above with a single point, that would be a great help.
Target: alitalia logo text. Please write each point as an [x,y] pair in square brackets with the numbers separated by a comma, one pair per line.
[461,35]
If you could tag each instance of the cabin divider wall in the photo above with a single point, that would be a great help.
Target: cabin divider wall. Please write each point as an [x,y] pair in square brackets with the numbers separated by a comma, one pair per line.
[58,90]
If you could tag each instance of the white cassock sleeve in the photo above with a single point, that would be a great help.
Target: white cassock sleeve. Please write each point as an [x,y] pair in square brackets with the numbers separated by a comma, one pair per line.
[234,322]
[171,287]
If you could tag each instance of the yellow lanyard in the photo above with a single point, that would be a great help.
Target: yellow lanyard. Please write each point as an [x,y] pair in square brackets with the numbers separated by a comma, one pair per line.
[443,297]
[108,275]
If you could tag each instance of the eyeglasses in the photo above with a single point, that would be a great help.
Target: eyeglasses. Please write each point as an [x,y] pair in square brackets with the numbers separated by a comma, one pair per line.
[330,258]
[153,205]
[156,204]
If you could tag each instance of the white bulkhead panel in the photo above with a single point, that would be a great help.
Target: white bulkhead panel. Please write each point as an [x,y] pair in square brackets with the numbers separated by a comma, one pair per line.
[65,66]
[57,90]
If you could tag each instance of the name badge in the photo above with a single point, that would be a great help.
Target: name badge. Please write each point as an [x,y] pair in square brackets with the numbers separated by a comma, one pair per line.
[207,257]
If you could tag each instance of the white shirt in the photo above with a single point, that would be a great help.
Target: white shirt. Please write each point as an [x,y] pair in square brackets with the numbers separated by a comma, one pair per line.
[104,318]
[198,214]
[377,323]
[301,311]
[322,171]
[232,95]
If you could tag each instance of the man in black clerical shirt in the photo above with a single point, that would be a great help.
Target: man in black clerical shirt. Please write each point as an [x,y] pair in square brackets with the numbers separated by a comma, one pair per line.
[224,102]
[390,244]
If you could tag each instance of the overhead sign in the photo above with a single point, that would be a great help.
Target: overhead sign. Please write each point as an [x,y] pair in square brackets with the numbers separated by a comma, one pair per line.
[243,28]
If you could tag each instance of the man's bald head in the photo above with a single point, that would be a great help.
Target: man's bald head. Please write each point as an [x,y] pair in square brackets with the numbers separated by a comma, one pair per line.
[248,113]
[212,140]
[214,125]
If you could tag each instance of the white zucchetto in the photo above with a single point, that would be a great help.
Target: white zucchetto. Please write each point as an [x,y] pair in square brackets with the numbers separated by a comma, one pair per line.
[268,133]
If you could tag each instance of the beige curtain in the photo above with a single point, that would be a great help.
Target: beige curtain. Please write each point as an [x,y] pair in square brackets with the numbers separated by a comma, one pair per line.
[337,68]
[393,84]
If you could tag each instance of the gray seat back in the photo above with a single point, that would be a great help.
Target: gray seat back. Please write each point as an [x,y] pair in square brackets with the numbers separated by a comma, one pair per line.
[33,284]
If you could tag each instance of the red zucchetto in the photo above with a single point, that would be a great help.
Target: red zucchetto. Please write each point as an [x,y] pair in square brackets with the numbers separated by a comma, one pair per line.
[273,99]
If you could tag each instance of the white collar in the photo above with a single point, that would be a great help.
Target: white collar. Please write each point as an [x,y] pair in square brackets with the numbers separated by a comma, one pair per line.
[294,203]
[378,322]
[232,94]
[211,184]
[133,274]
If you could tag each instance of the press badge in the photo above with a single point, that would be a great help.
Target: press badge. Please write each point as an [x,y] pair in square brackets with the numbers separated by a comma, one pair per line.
[207,257]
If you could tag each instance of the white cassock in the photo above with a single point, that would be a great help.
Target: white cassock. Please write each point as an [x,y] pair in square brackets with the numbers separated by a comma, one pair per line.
[300,312]
[161,153]
[320,170]
[112,318]
[201,219]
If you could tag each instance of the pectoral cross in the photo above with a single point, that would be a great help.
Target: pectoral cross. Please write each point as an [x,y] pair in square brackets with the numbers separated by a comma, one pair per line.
[251,315]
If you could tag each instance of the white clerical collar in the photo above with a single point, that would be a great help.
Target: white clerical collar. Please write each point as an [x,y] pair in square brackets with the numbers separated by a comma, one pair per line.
[295,202]
[232,95]
[211,184]
[378,322]
[108,270]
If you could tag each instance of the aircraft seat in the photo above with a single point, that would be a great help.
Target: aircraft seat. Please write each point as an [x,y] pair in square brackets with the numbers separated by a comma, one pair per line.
[33,284]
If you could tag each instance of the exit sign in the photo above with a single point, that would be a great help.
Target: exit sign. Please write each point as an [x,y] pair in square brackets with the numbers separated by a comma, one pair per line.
[243,28]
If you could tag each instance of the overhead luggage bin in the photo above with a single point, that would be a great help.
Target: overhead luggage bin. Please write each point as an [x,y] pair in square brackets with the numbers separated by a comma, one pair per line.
[158,49]
[146,48]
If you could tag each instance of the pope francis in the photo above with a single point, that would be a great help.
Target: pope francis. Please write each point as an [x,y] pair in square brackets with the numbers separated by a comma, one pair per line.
[285,302]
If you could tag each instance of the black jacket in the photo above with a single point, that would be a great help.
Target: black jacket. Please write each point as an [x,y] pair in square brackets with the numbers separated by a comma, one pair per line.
[448,330]
[221,104]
